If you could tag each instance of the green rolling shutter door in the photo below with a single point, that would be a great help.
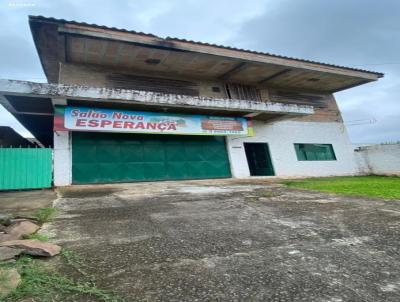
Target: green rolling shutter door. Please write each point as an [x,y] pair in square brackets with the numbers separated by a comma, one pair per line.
[115,157]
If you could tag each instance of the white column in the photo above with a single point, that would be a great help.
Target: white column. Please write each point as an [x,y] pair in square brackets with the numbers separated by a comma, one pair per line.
[237,157]
[62,160]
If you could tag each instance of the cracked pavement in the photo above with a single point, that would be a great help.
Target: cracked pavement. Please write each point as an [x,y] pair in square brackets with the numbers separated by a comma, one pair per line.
[231,240]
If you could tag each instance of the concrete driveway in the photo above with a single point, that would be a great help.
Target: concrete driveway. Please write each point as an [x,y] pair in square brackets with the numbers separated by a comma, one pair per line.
[229,240]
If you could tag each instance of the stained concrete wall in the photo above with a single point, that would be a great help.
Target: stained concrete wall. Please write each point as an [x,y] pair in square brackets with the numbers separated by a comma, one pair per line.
[281,137]
[378,159]
[97,76]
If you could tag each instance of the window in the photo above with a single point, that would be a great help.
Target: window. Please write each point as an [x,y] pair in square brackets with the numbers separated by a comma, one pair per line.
[314,152]
[242,92]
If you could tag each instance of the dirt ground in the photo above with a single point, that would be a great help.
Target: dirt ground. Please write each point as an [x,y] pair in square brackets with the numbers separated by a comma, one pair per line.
[25,202]
[230,240]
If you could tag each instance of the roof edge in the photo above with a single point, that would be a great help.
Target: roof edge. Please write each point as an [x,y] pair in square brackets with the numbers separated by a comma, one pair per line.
[171,39]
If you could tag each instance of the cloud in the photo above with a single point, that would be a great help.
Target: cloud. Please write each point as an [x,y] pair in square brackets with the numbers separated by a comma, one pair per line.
[345,32]
[207,21]
[339,31]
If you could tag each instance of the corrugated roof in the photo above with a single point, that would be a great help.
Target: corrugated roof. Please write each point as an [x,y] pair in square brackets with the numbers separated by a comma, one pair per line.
[55,20]
[63,21]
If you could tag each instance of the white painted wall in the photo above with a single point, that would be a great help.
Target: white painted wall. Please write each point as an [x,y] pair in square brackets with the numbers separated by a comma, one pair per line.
[281,137]
[379,159]
[62,158]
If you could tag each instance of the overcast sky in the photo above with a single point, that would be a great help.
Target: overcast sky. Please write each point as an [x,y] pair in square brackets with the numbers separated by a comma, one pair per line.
[357,33]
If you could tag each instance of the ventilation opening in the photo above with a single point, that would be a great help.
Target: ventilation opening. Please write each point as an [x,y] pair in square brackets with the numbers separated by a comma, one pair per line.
[242,92]
[163,85]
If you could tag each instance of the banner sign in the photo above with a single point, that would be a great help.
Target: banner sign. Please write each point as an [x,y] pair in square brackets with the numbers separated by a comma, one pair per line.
[114,120]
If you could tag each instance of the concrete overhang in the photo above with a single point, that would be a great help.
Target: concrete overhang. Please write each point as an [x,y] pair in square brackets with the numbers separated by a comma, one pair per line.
[60,41]
[10,138]
[147,98]
[32,104]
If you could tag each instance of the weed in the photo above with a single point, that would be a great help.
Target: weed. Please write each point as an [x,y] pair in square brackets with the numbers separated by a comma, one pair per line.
[39,284]
[75,261]
[70,256]
[37,236]
[44,215]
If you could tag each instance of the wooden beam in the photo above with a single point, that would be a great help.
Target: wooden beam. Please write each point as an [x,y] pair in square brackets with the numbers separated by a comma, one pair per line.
[275,75]
[61,47]
[34,113]
[236,69]
[180,45]
[352,85]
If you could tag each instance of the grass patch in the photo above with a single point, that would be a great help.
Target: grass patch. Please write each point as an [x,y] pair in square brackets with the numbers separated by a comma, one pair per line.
[39,284]
[370,186]
[76,262]
[37,236]
[71,257]
[44,215]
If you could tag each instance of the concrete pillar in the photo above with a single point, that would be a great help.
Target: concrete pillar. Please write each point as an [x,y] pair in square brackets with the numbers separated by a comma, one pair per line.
[237,157]
[62,160]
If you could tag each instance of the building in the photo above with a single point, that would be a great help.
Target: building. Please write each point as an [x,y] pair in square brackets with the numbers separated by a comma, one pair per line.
[10,138]
[116,99]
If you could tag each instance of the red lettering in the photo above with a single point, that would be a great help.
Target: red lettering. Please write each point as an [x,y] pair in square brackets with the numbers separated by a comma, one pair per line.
[152,126]
[121,116]
[117,115]
[105,123]
[162,126]
[171,127]
[81,122]
[129,125]
[93,123]
[139,125]
[117,124]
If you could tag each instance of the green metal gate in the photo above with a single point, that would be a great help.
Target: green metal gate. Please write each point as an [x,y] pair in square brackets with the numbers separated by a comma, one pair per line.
[116,157]
[25,168]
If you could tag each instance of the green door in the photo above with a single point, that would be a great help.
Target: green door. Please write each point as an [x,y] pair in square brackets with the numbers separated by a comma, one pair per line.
[120,157]
[259,159]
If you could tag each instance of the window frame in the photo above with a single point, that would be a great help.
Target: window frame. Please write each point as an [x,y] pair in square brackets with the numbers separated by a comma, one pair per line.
[302,155]
[235,91]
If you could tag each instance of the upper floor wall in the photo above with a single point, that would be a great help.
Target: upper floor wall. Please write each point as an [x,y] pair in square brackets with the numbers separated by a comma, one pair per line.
[87,54]
[325,107]
[69,42]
